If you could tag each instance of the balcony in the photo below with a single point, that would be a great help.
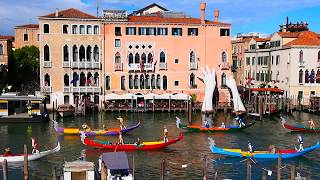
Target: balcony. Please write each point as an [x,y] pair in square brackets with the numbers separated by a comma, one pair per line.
[163,66]
[224,66]
[82,65]
[47,64]
[96,65]
[85,65]
[301,64]
[134,67]
[47,89]
[148,67]
[85,89]
[66,89]
[193,66]
[66,64]
[118,66]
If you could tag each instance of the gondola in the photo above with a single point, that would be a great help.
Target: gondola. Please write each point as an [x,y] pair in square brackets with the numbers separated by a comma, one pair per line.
[129,147]
[31,157]
[298,128]
[108,132]
[290,153]
[197,128]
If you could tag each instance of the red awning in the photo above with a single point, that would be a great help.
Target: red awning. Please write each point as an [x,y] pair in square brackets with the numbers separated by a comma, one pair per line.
[277,90]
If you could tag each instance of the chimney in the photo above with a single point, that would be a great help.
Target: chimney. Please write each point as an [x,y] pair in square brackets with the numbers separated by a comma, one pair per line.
[203,12]
[57,12]
[216,15]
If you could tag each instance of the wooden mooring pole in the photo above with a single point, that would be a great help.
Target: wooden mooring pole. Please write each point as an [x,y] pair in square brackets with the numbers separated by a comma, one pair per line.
[163,169]
[264,175]
[248,169]
[205,168]
[25,163]
[189,111]
[5,169]
[133,167]
[292,172]
[54,176]
[279,167]
[52,110]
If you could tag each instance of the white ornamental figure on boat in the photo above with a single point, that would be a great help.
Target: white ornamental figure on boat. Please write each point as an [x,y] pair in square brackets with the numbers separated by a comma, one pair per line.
[209,79]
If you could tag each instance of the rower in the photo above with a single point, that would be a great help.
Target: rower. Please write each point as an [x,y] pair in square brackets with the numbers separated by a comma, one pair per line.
[138,143]
[35,146]
[7,152]
[250,148]
[311,124]
[165,134]
[206,124]
[241,123]
[223,125]
[272,149]
[300,142]
[120,139]
[122,126]
[85,127]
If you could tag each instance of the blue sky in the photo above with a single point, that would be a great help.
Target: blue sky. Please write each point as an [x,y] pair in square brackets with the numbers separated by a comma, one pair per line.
[263,16]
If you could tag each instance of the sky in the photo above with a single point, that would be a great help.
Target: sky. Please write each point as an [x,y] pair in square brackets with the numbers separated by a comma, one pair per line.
[263,16]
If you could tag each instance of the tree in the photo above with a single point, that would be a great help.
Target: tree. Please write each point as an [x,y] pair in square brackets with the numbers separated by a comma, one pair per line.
[24,68]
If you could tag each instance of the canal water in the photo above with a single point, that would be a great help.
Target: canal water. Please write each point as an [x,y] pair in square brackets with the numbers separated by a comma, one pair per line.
[184,159]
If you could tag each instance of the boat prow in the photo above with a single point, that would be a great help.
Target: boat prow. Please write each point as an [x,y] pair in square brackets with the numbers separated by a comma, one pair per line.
[298,128]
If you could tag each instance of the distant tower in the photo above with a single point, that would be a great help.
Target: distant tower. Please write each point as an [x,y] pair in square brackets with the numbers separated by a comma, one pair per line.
[97,8]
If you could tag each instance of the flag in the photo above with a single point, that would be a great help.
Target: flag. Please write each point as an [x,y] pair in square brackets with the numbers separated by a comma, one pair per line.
[249,81]
[75,79]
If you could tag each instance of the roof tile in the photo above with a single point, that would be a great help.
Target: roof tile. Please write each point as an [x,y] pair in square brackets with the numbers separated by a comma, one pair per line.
[306,38]
[35,26]
[70,13]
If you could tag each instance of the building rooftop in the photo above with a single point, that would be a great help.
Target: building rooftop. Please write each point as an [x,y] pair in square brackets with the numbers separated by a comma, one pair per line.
[289,34]
[261,39]
[306,38]
[148,7]
[70,13]
[31,26]
[3,37]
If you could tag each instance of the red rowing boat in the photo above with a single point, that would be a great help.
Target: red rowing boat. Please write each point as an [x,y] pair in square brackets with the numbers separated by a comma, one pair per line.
[298,128]
[130,147]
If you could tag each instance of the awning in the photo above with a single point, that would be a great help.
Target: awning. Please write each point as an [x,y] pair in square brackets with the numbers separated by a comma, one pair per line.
[181,96]
[151,96]
[115,160]
[164,96]
[267,90]
[128,96]
[112,96]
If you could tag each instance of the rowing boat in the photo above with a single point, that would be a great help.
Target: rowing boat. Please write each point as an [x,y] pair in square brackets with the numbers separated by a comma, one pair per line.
[130,147]
[298,128]
[197,128]
[31,157]
[108,132]
[289,153]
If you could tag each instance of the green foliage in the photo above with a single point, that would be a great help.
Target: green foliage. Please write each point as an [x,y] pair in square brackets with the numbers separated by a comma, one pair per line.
[23,67]
[193,97]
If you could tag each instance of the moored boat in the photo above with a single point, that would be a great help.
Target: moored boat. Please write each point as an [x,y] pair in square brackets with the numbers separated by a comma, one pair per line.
[101,132]
[289,153]
[298,128]
[66,110]
[31,157]
[152,145]
[198,128]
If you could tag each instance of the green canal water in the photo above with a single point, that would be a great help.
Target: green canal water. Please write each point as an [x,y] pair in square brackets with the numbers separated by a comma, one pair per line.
[190,151]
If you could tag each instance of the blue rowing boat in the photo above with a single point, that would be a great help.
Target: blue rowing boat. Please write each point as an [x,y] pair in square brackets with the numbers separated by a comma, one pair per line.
[285,154]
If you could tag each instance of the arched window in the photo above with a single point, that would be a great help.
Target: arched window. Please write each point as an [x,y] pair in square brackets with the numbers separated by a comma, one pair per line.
[301,57]
[153,81]
[224,57]
[75,79]
[130,58]
[75,53]
[117,58]
[300,76]
[141,81]
[1,49]
[107,82]
[82,29]
[130,82]
[164,83]
[158,81]
[318,57]
[89,29]
[123,83]
[150,58]
[318,76]
[143,58]
[136,82]
[223,79]
[137,58]
[89,53]
[192,80]
[306,77]
[162,57]
[147,81]
[66,80]
[47,80]
[82,53]
[312,76]
[192,57]
[65,53]
[89,81]
[96,79]
[83,79]
[96,53]
[46,53]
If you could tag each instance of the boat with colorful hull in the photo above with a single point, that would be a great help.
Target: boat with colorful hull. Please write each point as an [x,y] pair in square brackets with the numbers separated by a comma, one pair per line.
[291,153]
[197,128]
[130,147]
[31,157]
[108,132]
[298,128]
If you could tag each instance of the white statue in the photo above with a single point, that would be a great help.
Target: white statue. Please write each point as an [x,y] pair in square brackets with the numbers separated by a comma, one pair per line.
[237,102]
[209,79]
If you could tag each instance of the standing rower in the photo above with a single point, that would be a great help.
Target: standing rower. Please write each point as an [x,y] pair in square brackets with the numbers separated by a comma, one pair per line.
[35,145]
[122,126]
[300,142]
[311,124]
[165,134]
[250,148]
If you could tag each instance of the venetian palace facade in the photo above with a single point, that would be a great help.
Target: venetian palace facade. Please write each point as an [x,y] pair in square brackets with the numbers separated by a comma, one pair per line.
[152,50]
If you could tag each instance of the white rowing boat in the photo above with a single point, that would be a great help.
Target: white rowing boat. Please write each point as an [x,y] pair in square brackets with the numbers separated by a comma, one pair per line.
[31,157]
